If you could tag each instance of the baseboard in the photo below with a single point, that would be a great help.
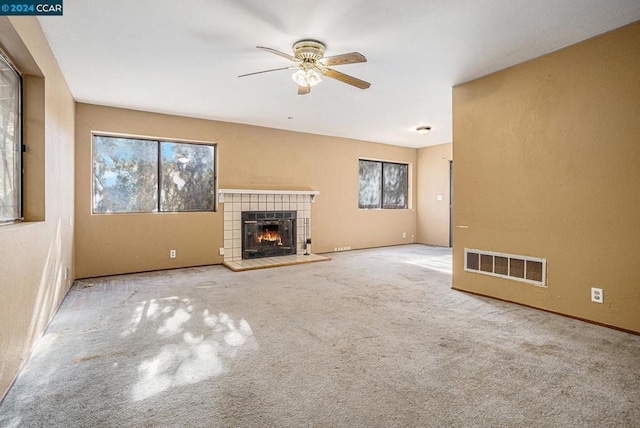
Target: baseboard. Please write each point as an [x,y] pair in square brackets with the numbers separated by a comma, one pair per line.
[551,312]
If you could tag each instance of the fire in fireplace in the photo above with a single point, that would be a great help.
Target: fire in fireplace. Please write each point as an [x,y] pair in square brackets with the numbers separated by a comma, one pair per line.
[268,233]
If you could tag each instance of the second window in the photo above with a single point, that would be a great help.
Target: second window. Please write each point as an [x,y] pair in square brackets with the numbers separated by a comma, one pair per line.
[383,185]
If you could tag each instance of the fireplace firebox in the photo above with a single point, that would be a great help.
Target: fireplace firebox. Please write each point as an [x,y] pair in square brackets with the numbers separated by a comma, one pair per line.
[268,233]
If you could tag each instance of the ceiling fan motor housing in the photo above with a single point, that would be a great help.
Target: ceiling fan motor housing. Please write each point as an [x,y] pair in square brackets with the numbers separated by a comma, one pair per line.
[308,50]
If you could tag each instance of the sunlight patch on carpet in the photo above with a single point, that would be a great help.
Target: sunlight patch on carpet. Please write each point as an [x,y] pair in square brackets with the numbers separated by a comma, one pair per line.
[442,264]
[200,344]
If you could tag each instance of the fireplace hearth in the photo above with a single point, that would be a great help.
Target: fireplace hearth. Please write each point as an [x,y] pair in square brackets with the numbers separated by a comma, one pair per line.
[268,233]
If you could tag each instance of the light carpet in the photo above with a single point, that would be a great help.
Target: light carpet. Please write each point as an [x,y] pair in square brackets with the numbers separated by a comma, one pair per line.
[373,338]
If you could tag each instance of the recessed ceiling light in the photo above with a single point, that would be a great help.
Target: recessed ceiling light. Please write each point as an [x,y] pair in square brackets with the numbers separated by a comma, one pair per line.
[423,130]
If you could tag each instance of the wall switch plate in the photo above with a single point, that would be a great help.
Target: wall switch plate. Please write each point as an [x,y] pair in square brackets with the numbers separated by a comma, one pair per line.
[438,197]
[172,254]
[222,251]
[597,295]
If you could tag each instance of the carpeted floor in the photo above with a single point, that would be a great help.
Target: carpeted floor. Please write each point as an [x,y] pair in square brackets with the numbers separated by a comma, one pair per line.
[371,338]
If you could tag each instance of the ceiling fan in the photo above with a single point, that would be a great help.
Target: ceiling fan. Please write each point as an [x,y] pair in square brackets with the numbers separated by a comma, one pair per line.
[310,62]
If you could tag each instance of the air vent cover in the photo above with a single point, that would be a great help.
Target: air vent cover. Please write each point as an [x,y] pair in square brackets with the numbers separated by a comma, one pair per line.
[532,270]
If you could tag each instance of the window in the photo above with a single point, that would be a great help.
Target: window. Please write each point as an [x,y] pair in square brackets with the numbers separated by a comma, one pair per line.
[383,185]
[187,177]
[10,143]
[137,176]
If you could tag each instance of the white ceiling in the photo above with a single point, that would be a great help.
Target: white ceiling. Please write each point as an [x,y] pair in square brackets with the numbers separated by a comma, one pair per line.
[183,57]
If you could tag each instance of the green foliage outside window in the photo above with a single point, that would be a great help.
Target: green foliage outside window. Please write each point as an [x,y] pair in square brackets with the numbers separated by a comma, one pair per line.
[187,177]
[135,175]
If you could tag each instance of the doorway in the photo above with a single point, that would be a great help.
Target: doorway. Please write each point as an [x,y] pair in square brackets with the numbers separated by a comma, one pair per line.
[450,204]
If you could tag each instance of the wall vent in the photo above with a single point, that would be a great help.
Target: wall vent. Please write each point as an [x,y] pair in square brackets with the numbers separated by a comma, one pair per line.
[531,270]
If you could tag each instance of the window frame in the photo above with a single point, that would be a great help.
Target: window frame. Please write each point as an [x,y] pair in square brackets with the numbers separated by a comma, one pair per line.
[159,142]
[19,180]
[382,169]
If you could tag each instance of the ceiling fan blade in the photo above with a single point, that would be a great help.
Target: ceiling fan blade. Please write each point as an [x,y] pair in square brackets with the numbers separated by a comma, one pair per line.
[268,71]
[348,58]
[282,54]
[303,90]
[350,80]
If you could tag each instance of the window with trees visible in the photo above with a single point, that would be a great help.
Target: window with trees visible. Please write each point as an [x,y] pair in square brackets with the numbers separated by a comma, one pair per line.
[383,185]
[10,143]
[138,176]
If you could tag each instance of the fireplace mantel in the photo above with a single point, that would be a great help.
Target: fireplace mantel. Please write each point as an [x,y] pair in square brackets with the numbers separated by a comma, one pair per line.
[222,192]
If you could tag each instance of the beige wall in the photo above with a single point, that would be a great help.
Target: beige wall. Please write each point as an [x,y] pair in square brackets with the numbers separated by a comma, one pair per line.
[36,253]
[547,164]
[248,157]
[432,222]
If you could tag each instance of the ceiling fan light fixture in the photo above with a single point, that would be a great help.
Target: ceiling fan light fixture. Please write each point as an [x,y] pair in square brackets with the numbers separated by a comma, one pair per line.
[423,130]
[306,78]
[313,78]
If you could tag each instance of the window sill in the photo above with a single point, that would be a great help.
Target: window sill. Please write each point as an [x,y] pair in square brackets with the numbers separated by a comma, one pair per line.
[18,225]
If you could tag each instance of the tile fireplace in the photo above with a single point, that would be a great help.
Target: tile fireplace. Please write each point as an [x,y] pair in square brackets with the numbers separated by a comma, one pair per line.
[286,213]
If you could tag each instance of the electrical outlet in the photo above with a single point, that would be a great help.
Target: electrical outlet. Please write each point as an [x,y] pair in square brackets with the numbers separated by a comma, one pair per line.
[404,234]
[597,295]
[222,251]
[172,254]
[66,273]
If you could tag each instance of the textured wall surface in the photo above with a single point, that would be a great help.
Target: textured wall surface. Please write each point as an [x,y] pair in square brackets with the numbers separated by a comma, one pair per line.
[249,157]
[547,164]
[36,267]
[432,222]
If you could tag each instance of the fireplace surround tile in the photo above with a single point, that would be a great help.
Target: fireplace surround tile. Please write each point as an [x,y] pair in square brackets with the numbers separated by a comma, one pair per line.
[236,201]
